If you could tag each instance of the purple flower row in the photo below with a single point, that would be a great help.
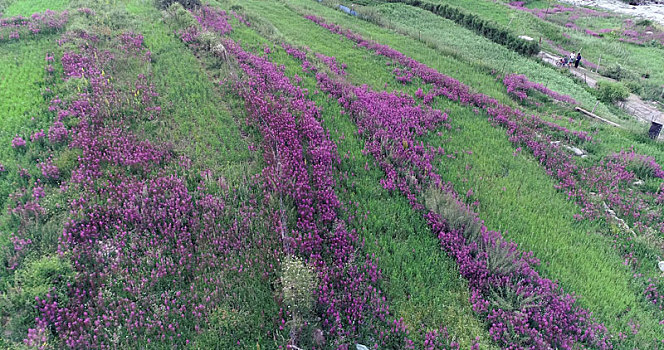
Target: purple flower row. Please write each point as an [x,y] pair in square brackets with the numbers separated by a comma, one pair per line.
[213,19]
[519,85]
[13,28]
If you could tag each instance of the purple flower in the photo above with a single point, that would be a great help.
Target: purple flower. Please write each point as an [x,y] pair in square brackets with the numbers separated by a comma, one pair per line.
[18,142]
[38,136]
[57,133]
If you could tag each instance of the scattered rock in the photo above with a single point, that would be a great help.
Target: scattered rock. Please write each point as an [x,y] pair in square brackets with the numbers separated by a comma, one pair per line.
[620,222]
[576,150]
[638,182]
[525,37]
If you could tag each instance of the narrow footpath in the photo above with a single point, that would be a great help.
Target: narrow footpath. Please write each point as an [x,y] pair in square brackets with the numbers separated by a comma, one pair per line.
[645,112]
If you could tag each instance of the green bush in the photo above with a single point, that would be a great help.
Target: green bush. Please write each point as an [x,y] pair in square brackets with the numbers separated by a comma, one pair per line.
[634,86]
[457,217]
[180,17]
[617,72]
[188,4]
[653,92]
[49,274]
[68,161]
[612,92]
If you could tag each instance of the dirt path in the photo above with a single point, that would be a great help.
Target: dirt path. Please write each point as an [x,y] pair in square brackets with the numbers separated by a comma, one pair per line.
[643,111]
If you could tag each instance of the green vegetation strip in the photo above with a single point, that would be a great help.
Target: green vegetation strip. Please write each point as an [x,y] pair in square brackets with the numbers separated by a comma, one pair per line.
[481,52]
[28,7]
[486,28]
[21,76]
[199,122]
[635,58]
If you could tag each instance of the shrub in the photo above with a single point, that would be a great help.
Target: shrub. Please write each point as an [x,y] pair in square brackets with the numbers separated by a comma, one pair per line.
[457,216]
[617,72]
[634,86]
[644,23]
[612,92]
[208,40]
[188,4]
[653,92]
[298,282]
[68,161]
[180,17]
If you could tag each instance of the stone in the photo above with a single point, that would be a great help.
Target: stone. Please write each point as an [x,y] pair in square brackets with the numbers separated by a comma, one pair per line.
[576,151]
[638,183]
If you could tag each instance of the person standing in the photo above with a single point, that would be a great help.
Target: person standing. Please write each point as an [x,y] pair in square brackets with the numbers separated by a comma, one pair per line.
[571,58]
[578,60]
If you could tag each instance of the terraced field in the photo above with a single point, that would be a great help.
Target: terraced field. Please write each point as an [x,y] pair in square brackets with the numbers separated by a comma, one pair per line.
[283,175]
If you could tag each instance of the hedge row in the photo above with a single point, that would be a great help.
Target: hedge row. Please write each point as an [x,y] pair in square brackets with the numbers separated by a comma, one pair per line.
[488,29]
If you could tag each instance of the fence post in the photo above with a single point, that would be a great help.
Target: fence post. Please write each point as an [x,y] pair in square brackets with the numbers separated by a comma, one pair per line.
[420,35]
[598,63]
[595,107]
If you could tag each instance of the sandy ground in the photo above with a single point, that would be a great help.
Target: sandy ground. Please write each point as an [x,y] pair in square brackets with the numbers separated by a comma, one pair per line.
[653,11]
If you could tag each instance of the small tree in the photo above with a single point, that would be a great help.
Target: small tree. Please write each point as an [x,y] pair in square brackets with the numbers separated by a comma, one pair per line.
[612,92]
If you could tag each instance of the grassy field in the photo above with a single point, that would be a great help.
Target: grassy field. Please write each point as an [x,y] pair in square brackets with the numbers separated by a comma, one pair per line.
[455,41]
[202,125]
[480,51]
[212,149]
[22,70]
[422,283]
[26,8]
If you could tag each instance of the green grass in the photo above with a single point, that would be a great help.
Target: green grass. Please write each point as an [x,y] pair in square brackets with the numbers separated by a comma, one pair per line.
[533,213]
[22,71]
[22,112]
[195,120]
[517,197]
[422,283]
[28,7]
[200,123]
